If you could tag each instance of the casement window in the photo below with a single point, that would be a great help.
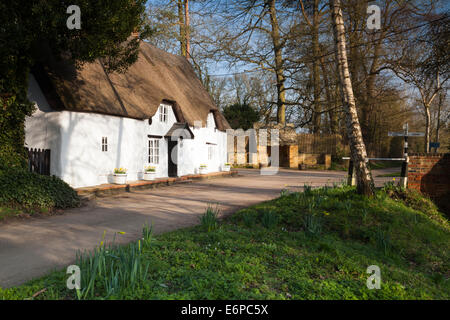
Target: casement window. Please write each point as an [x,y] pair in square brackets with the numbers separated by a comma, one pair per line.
[163,113]
[210,152]
[153,151]
[104,144]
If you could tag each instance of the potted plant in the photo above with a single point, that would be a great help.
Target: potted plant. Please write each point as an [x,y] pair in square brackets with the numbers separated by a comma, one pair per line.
[150,173]
[226,166]
[203,169]
[120,176]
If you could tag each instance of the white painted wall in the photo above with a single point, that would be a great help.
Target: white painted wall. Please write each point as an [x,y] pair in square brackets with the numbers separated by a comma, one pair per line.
[42,130]
[75,140]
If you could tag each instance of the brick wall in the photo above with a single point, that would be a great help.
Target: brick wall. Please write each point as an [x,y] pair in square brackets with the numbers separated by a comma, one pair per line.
[430,174]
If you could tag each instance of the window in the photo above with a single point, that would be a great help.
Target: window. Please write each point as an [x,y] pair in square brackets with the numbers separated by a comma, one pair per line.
[153,151]
[104,144]
[163,113]
[210,152]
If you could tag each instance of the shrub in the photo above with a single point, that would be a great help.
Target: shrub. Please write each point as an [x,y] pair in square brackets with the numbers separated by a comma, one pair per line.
[30,191]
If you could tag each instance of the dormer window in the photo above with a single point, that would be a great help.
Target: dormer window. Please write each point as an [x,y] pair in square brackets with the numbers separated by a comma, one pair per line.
[163,113]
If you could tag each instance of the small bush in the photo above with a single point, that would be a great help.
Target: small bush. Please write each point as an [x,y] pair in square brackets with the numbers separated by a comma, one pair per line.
[33,192]
[209,220]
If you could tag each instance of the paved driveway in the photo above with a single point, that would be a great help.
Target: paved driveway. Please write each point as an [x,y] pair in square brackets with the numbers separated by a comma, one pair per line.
[34,247]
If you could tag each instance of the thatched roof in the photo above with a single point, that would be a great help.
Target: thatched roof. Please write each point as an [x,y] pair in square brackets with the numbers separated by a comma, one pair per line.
[156,77]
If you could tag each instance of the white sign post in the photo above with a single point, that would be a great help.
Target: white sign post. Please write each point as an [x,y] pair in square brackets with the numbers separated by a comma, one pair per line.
[405,134]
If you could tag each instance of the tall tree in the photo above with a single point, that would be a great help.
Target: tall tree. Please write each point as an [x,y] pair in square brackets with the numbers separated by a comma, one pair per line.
[187,31]
[420,67]
[314,25]
[241,115]
[253,32]
[29,26]
[279,68]
[182,27]
[364,180]
[369,53]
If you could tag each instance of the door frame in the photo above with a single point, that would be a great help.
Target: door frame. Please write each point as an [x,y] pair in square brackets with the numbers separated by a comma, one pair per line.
[172,168]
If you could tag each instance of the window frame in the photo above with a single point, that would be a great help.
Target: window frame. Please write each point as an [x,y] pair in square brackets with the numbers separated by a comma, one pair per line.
[104,144]
[163,113]
[210,152]
[153,151]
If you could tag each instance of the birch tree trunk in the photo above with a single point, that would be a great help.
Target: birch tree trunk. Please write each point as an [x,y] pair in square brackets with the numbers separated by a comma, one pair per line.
[427,127]
[438,125]
[358,149]
[279,71]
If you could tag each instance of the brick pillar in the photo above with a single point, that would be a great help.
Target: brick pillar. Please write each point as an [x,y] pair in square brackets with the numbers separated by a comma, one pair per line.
[293,157]
[430,173]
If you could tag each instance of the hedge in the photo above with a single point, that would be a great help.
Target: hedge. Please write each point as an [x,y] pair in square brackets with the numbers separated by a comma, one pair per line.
[30,191]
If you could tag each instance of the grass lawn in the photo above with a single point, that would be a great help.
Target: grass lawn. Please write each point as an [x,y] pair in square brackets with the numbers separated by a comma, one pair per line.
[388,175]
[312,245]
[384,164]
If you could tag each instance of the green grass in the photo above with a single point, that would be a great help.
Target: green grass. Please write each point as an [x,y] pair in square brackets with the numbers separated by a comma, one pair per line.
[8,212]
[312,245]
[373,165]
[390,175]
[336,166]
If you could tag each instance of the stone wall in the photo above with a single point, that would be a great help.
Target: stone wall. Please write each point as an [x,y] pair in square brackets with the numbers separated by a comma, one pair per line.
[306,160]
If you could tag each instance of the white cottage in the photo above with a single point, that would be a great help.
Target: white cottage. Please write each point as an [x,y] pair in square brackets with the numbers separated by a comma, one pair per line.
[157,113]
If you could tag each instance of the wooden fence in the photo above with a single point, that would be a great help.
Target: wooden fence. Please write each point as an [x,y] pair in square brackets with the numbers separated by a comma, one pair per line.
[39,161]
[319,143]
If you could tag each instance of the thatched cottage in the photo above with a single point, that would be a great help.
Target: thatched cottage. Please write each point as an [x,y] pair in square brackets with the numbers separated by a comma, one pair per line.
[157,113]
